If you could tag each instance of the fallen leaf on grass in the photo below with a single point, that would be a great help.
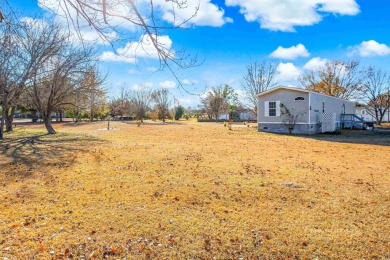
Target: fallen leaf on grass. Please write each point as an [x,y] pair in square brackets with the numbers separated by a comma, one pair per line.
[67,252]
[42,248]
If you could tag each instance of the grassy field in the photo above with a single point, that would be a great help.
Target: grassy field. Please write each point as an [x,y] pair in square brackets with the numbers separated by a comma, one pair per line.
[384,125]
[192,191]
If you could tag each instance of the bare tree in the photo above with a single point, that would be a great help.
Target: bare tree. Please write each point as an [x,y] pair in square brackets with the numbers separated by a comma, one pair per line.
[337,78]
[140,100]
[161,99]
[112,18]
[8,64]
[289,117]
[57,78]
[25,46]
[204,107]
[376,93]
[94,91]
[218,100]
[80,102]
[259,77]
[217,105]
[120,105]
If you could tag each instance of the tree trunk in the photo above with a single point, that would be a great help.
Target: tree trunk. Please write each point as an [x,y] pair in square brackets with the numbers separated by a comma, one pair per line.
[4,112]
[9,119]
[92,115]
[77,116]
[378,112]
[382,113]
[92,107]
[61,115]
[2,124]
[48,125]
[34,116]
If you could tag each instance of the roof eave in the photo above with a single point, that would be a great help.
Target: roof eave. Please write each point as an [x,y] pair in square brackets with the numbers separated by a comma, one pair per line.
[278,88]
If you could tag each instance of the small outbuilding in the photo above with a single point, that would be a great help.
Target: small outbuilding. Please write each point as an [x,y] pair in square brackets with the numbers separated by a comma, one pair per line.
[295,110]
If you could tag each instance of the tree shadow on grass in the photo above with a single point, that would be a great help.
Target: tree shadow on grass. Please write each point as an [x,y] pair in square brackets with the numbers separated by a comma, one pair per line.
[355,137]
[82,123]
[128,122]
[21,156]
[27,122]
[157,123]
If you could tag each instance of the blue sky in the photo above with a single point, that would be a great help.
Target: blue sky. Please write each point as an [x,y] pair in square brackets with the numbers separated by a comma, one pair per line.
[228,34]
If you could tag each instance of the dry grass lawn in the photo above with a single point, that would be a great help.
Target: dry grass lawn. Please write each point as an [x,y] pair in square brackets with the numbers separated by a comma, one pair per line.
[192,191]
[384,125]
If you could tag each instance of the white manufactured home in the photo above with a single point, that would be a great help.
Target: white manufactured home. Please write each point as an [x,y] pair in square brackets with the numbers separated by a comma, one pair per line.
[368,113]
[311,111]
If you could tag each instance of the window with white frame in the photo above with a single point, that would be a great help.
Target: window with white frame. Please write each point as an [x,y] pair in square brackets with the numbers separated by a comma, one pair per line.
[272,108]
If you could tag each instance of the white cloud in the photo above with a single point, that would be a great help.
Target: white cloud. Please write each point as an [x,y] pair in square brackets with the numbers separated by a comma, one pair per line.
[290,53]
[138,70]
[230,81]
[134,71]
[110,56]
[91,36]
[288,72]
[189,82]
[88,35]
[122,17]
[208,14]
[151,69]
[136,87]
[145,85]
[141,49]
[167,84]
[315,63]
[33,22]
[343,7]
[68,17]
[369,48]
[286,15]
[240,93]
[185,101]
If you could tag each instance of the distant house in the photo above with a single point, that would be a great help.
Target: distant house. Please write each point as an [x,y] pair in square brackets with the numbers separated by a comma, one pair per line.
[247,114]
[310,108]
[205,116]
[223,117]
[368,114]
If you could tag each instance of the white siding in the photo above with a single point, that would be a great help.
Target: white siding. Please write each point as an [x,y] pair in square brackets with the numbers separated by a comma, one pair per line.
[331,105]
[311,107]
[287,98]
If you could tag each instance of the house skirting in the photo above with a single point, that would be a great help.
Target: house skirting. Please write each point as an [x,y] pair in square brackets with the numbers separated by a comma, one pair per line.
[299,128]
